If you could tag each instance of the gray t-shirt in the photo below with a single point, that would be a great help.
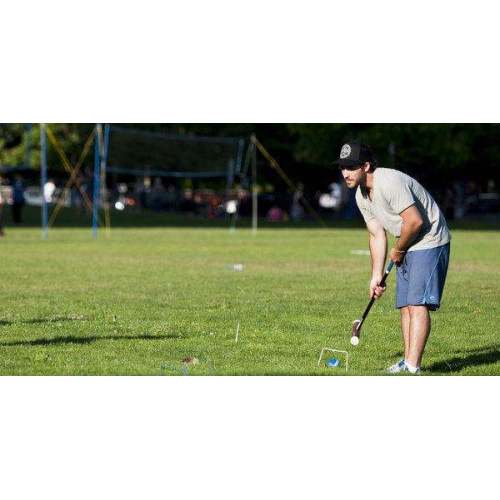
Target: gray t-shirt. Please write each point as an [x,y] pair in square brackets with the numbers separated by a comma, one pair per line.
[392,193]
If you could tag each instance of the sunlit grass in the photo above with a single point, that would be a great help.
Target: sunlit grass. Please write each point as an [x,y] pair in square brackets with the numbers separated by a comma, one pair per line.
[141,302]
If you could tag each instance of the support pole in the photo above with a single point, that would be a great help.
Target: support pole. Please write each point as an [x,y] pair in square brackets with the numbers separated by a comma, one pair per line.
[97,181]
[255,209]
[43,180]
[238,172]
[104,164]
[228,198]
[275,166]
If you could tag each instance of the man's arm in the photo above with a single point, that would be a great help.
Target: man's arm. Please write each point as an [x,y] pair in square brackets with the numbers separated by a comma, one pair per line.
[410,229]
[378,253]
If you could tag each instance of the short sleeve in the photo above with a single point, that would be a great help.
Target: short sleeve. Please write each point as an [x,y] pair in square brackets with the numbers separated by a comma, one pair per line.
[398,194]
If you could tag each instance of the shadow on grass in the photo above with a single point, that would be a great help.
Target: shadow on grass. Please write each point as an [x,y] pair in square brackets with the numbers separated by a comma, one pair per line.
[70,339]
[36,321]
[479,357]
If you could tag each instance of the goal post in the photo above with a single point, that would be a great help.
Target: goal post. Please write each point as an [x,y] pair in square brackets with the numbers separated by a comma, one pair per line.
[72,164]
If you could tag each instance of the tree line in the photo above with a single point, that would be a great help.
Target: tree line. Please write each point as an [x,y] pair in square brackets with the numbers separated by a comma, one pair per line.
[434,153]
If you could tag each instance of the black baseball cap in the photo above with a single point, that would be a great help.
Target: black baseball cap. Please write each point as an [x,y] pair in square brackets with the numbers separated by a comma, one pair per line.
[354,154]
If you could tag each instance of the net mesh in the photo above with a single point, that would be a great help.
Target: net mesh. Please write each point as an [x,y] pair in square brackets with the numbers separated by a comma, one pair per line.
[147,153]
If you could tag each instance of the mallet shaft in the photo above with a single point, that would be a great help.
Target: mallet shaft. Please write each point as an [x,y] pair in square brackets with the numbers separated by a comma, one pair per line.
[372,300]
[382,283]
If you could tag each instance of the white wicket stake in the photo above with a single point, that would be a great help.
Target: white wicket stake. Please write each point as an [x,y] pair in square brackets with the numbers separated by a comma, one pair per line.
[335,350]
[237,332]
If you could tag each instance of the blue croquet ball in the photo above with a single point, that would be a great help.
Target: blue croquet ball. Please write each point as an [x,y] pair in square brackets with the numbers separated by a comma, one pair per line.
[333,363]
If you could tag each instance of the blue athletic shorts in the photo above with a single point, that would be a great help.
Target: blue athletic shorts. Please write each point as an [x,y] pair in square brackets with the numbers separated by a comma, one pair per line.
[421,277]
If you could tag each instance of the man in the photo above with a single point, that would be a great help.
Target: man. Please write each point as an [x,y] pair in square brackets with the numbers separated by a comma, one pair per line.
[17,200]
[392,201]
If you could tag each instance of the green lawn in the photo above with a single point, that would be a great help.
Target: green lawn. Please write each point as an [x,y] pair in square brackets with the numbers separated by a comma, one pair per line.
[141,302]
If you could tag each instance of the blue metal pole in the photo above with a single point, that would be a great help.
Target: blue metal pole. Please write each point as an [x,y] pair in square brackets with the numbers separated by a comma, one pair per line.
[97,179]
[43,180]
[255,196]
[104,173]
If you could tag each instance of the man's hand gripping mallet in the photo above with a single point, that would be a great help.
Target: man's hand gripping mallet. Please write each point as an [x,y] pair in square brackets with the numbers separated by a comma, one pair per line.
[356,326]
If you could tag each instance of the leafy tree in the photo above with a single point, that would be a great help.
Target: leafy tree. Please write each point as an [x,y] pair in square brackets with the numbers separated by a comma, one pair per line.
[435,153]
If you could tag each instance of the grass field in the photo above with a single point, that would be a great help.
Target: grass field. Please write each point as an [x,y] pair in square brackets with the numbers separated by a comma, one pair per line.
[141,302]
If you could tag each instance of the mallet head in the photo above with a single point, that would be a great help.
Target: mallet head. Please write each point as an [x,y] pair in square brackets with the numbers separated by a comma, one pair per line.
[355,332]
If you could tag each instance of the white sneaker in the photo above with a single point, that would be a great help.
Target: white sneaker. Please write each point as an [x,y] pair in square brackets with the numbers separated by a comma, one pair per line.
[398,367]
[414,370]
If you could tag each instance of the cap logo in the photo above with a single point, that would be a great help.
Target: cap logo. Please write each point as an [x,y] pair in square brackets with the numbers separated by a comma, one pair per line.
[345,151]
